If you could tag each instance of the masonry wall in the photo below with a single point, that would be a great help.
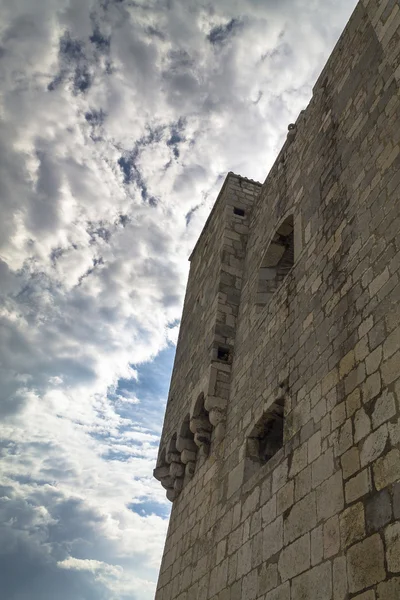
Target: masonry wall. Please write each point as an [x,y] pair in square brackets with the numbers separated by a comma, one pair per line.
[320,520]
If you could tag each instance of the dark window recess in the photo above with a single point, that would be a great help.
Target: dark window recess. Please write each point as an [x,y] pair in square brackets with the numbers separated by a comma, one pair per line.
[266,439]
[238,211]
[276,263]
[222,353]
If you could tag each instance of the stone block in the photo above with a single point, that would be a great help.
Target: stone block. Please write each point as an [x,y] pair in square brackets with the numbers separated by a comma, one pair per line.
[387,469]
[352,524]
[272,538]
[235,479]
[390,369]
[257,549]
[370,595]
[350,461]
[373,360]
[251,503]
[378,511]
[344,439]
[250,585]
[396,500]
[358,486]
[373,445]
[268,578]
[279,476]
[353,402]
[303,483]
[362,425]
[389,590]
[317,545]
[330,498]
[392,343]
[338,415]
[371,387]
[285,497]
[280,593]
[299,460]
[384,409]
[322,468]
[331,537]
[392,543]
[295,558]
[244,559]
[365,563]
[301,519]
[315,584]
[346,364]
[268,511]
[339,578]
[236,591]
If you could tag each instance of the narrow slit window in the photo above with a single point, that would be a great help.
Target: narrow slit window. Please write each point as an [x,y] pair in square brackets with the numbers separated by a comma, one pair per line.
[238,211]
[223,353]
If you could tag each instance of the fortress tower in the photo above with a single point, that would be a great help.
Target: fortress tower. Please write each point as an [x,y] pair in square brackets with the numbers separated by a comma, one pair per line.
[280,447]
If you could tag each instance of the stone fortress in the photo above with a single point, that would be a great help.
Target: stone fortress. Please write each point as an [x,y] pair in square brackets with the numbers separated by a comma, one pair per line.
[280,446]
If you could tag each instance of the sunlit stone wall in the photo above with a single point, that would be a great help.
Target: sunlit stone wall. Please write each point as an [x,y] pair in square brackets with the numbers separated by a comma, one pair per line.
[316,517]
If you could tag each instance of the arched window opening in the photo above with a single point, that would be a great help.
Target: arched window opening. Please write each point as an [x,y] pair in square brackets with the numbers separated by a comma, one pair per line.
[277,262]
[266,438]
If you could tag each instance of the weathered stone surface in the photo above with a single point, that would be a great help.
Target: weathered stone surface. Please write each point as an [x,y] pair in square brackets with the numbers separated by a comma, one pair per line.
[365,563]
[350,462]
[280,593]
[331,537]
[295,558]
[370,595]
[378,511]
[373,445]
[352,524]
[330,499]
[272,538]
[396,500]
[384,409]
[268,578]
[340,586]
[389,590]
[387,469]
[322,468]
[358,486]
[317,545]
[315,583]
[302,518]
[392,543]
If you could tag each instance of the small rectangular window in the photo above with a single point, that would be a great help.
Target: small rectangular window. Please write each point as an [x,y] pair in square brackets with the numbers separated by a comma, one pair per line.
[266,438]
[222,353]
[238,211]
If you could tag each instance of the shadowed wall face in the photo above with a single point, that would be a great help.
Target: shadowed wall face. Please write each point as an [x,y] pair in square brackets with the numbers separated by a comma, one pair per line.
[295,490]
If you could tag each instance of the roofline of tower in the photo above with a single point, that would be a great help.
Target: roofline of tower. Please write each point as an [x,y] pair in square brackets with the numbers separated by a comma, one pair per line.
[229,175]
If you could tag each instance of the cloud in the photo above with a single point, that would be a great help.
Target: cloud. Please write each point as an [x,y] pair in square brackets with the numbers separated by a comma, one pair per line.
[119,121]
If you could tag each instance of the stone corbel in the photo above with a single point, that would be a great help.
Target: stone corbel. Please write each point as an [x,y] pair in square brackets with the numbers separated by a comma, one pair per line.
[201,427]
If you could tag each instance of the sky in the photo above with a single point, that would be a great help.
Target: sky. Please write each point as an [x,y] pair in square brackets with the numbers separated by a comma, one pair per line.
[119,120]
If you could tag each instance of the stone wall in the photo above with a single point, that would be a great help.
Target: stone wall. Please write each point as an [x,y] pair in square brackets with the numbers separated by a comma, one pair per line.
[319,519]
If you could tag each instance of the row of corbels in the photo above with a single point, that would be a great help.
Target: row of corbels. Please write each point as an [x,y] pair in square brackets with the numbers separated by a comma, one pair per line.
[177,461]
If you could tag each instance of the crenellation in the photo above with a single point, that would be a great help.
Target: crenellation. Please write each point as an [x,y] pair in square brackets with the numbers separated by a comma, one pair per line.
[280,448]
